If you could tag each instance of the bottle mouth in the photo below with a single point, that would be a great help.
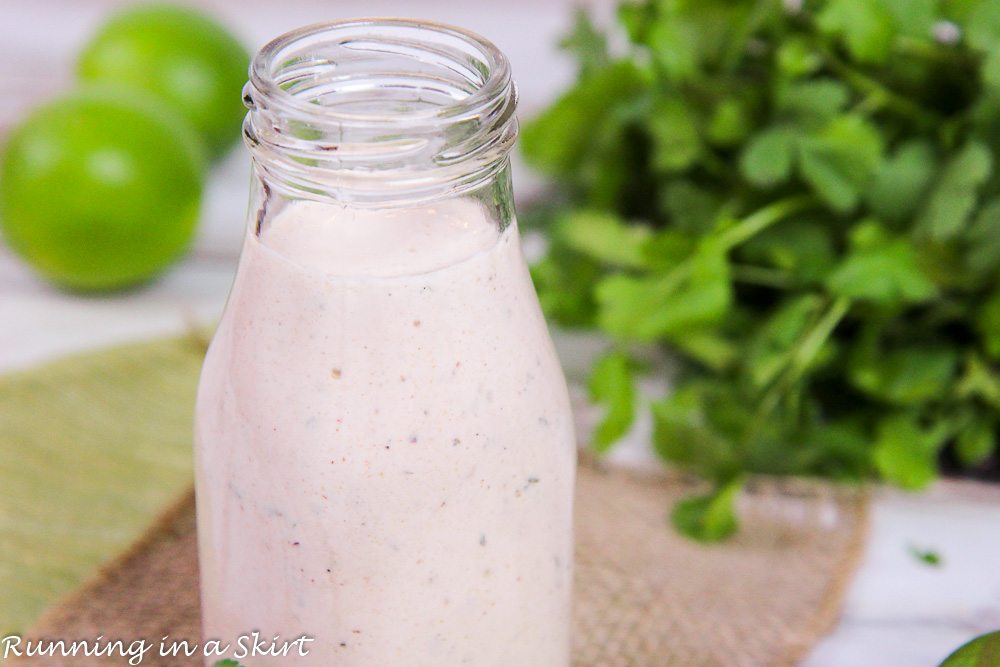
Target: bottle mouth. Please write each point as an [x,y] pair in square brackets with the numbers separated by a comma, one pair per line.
[369,110]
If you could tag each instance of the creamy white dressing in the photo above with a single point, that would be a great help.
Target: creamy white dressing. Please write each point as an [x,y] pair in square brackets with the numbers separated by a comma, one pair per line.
[385,449]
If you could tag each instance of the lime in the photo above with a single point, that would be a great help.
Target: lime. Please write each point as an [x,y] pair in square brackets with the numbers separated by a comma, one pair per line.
[100,189]
[983,651]
[180,55]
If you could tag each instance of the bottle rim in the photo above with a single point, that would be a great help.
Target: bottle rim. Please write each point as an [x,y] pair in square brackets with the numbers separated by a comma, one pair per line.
[362,108]
[262,73]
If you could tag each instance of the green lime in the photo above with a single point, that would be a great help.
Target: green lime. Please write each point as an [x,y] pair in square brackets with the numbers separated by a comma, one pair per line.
[180,55]
[983,651]
[100,189]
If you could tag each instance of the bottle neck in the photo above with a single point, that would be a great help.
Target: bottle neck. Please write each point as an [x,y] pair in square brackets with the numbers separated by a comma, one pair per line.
[380,112]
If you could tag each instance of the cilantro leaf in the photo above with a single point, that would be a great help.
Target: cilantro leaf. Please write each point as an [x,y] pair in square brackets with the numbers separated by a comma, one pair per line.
[635,18]
[687,430]
[991,71]
[675,136]
[612,384]
[674,50]
[696,293]
[904,375]
[708,347]
[886,272]
[604,237]
[866,28]
[953,197]
[767,157]
[982,24]
[802,248]
[979,381]
[987,322]
[900,182]
[668,248]
[708,518]
[730,123]
[558,277]
[797,57]
[689,208]
[905,454]
[983,239]
[587,43]
[914,18]
[927,557]
[977,440]
[813,101]
[556,141]
[839,160]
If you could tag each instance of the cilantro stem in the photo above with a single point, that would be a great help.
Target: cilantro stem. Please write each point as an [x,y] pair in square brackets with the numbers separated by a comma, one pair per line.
[761,219]
[877,93]
[911,46]
[762,275]
[799,359]
[744,229]
[737,43]
[715,165]
[807,350]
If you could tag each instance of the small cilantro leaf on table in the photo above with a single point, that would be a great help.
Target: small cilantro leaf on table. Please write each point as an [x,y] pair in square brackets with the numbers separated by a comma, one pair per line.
[927,557]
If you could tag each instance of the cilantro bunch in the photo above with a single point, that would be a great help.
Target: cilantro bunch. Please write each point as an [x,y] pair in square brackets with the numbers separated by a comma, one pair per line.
[800,200]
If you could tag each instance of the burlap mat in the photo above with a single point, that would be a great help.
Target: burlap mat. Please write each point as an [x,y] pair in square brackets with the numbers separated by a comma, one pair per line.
[645,597]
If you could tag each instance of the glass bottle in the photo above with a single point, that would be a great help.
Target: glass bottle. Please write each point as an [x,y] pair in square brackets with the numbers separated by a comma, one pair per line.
[385,454]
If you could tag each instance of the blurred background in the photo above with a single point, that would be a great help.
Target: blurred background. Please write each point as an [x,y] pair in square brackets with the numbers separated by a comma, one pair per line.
[41,42]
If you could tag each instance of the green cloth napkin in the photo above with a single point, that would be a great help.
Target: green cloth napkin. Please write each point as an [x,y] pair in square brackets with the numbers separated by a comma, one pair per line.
[91,449]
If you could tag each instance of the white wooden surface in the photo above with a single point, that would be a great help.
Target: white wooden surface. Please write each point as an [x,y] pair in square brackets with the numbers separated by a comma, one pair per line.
[899,613]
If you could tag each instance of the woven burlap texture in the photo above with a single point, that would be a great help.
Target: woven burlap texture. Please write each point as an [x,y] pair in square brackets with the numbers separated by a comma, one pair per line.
[644,596]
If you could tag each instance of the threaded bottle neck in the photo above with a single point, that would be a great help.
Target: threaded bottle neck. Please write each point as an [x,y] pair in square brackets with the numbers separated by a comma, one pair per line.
[380,111]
